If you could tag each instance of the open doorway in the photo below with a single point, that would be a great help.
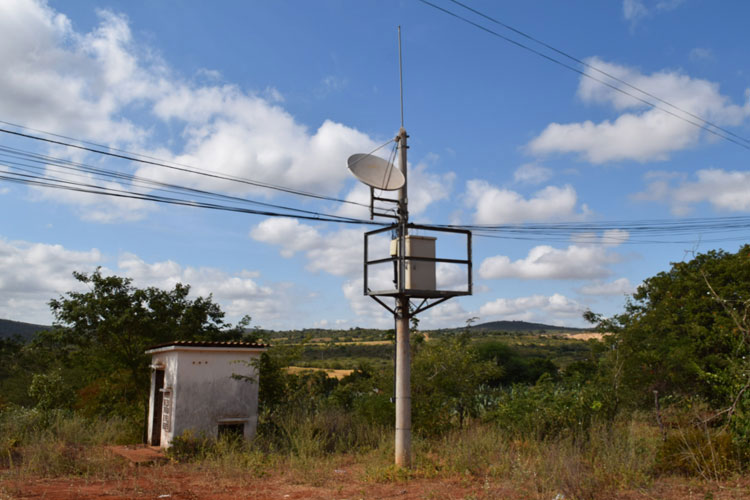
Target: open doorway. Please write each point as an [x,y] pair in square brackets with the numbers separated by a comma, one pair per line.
[158,400]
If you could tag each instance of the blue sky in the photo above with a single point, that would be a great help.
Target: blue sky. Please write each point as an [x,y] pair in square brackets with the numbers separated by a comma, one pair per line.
[283,92]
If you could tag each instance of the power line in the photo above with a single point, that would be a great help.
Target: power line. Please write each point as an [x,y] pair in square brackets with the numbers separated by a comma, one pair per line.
[35,172]
[33,180]
[600,71]
[638,231]
[188,169]
[706,125]
[76,169]
[33,164]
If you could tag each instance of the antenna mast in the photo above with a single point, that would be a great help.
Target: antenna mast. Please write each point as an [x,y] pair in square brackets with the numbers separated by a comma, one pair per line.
[403,314]
[414,264]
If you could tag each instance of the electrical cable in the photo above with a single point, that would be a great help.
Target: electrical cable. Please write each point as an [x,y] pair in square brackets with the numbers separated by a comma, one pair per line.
[600,71]
[188,169]
[99,190]
[638,231]
[72,167]
[705,127]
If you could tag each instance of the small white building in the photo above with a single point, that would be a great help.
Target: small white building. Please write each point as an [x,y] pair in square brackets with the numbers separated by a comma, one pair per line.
[193,388]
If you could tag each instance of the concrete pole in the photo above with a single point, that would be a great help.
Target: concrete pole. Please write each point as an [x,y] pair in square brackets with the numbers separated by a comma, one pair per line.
[403,352]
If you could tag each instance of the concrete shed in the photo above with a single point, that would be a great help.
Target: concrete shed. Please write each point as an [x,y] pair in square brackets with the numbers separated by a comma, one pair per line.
[192,388]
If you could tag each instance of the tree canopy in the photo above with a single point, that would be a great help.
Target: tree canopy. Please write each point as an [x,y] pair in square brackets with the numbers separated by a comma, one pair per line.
[100,335]
[685,332]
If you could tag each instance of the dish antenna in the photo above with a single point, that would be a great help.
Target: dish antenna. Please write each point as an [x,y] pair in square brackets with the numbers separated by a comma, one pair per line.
[376,172]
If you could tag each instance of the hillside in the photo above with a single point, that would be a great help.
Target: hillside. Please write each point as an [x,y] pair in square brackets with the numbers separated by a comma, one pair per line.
[523,326]
[26,331]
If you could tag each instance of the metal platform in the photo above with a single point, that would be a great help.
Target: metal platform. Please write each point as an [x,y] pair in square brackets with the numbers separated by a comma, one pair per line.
[418,294]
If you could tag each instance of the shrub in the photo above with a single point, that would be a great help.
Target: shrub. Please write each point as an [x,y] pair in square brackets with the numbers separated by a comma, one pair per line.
[699,450]
[547,410]
[189,447]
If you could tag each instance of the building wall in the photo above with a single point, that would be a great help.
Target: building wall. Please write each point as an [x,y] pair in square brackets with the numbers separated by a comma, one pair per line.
[203,392]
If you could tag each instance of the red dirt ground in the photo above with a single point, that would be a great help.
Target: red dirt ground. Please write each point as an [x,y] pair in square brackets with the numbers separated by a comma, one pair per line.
[150,478]
[173,484]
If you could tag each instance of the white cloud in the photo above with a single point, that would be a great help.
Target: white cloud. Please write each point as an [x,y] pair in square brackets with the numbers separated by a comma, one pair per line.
[290,234]
[33,273]
[724,190]
[531,173]
[545,262]
[425,188]
[494,205]
[449,314]
[364,307]
[239,294]
[451,277]
[56,79]
[90,85]
[615,237]
[643,133]
[532,308]
[621,286]
[337,252]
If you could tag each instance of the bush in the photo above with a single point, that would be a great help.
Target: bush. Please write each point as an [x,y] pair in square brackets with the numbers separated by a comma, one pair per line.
[189,447]
[548,410]
[699,451]
[60,442]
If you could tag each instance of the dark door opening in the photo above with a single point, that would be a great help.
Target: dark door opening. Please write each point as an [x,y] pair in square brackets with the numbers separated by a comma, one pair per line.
[158,400]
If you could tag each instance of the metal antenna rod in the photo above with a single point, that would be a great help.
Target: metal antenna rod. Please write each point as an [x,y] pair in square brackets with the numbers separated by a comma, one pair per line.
[401,76]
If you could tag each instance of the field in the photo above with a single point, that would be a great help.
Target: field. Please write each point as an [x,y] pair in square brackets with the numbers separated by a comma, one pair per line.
[377,350]
[467,464]
[331,436]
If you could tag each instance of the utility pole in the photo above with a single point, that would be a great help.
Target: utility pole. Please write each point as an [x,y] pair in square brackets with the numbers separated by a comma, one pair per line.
[403,352]
[382,175]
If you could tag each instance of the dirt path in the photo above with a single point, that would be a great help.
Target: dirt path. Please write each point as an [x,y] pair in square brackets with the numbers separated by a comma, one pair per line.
[178,482]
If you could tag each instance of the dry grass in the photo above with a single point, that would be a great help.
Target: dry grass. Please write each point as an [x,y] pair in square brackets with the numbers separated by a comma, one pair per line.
[584,336]
[330,455]
[332,373]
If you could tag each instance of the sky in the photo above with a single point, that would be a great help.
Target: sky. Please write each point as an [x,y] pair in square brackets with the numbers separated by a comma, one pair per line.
[284,92]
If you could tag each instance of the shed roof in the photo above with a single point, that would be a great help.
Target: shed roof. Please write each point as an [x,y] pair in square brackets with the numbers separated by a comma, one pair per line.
[232,344]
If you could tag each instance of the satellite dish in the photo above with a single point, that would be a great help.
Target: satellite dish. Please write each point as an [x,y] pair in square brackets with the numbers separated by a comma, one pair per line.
[376,172]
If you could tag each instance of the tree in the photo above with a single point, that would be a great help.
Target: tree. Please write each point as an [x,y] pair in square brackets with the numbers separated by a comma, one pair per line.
[448,378]
[100,335]
[684,332]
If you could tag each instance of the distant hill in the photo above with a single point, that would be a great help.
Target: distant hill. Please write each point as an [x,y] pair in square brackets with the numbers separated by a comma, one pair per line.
[523,326]
[26,331]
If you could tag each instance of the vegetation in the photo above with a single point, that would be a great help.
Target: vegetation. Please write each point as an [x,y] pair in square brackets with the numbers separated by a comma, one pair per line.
[93,358]
[664,392]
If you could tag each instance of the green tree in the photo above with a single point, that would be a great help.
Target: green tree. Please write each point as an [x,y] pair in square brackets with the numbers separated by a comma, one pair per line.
[684,333]
[513,368]
[448,378]
[101,336]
